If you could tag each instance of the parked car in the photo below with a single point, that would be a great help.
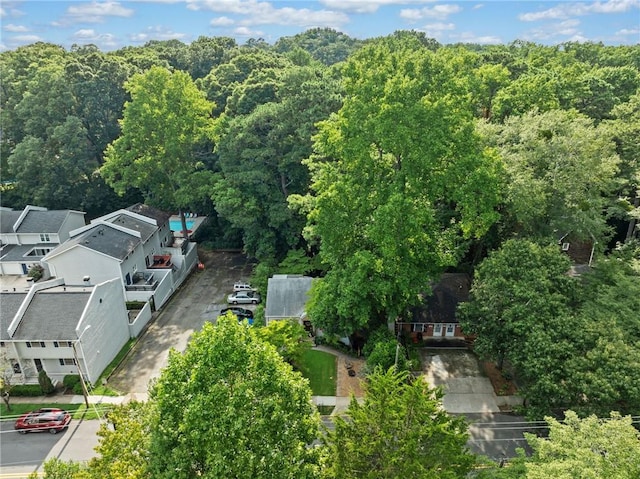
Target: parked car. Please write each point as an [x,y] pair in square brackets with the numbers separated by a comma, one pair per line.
[45,419]
[241,313]
[244,297]
[242,286]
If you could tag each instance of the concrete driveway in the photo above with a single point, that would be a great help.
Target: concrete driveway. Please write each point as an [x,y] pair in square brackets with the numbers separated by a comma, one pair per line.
[199,299]
[466,389]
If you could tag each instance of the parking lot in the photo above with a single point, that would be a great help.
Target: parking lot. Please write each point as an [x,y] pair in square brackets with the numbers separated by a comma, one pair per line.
[199,299]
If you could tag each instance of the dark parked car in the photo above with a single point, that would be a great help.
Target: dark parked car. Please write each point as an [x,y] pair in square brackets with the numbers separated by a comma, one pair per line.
[45,419]
[241,313]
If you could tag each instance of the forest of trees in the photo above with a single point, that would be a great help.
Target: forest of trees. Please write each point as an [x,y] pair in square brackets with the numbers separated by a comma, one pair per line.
[375,165]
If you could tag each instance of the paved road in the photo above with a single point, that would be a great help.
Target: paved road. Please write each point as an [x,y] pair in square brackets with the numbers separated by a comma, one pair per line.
[498,435]
[198,300]
[22,454]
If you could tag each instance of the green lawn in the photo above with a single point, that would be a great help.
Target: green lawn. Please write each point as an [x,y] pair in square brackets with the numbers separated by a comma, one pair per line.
[78,411]
[320,369]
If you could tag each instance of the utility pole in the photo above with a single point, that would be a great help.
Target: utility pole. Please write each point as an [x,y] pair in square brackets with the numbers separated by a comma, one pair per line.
[85,392]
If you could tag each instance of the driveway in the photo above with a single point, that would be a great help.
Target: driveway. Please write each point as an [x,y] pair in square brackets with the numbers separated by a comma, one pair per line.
[199,299]
[466,389]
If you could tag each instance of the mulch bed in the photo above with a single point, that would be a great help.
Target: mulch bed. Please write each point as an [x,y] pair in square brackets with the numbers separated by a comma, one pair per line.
[501,386]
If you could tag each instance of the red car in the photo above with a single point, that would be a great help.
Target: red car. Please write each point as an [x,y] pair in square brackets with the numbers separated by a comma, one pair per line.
[45,419]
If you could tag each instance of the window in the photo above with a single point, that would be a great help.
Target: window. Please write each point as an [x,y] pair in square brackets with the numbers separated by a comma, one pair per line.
[67,362]
[35,344]
[38,363]
[38,251]
[418,327]
[62,344]
[16,367]
[44,237]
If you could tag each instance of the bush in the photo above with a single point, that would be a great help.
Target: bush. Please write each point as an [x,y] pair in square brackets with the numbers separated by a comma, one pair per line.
[77,389]
[382,334]
[26,390]
[36,272]
[70,381]
[45,382]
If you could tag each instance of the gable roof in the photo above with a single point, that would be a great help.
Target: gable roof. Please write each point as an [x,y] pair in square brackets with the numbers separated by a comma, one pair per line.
[11,302]
[160,216]
[145,229]
[16,252]
[287,296]
[39,324]
[441,306]
[34,220]
[103,238]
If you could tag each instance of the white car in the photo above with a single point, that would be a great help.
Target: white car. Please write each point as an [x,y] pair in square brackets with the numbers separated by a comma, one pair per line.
[244,297]
[242,286]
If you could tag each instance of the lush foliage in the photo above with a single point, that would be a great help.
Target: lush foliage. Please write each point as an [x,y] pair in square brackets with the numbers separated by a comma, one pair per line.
[399,430]
[289,338]
[230,406]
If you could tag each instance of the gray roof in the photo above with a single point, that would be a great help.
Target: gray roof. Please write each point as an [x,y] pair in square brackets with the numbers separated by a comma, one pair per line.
[287,296]
[160,216]
[8,219]
[145,229]
[104,239]
[15,252]
[52,316]
[11,302]
[43,221]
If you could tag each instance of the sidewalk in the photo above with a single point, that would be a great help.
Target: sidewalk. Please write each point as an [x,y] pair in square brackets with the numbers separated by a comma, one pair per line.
[78,399]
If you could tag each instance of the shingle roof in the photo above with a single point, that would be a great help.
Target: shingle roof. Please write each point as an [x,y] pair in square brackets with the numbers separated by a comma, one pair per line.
[43,221]
[8,219]
[15,252]
[149,211]
[287,296]
[104,239]
[442,305]
[11,302]
[52,316]
[145,229]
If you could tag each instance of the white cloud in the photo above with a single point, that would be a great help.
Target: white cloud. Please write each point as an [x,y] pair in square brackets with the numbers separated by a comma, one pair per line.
[367,6]
[439,27]
[469,37]
[628,31]
[221,22]
[156,33]
[478,5]
[262,13]
[2,12]
[566,10]
[24,39]
[94,12]
[247,32]
[439,12]
[88,35]
[566,28]
[15,28]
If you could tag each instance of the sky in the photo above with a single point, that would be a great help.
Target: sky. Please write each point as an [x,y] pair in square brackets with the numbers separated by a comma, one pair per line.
[111,25]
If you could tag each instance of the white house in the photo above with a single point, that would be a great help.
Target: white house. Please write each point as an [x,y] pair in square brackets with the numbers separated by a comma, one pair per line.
[134,245]
[27,236]
[63,329]
[287,296]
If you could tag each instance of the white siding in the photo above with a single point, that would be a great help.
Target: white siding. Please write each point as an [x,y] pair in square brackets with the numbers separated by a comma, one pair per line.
[73,265]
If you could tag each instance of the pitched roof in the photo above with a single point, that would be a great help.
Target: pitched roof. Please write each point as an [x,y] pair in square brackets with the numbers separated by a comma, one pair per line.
[104,239]
[11,302]
[7,219]
[160,216]
[145,229]
[287,296]
[17,252]
[43,221]
[38,322]
[442,304]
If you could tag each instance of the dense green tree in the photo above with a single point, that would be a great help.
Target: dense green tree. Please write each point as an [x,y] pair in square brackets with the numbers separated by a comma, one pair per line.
[324,44]
[398,431]
[555,183]
[289,338]
[123,450]
[165,127]
[260,157]
[399,181]
[229,406]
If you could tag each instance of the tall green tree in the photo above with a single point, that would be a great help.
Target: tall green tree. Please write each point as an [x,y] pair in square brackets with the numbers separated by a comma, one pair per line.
[165,132]
[561,174]
[398,431]
[229,406]
[399,183]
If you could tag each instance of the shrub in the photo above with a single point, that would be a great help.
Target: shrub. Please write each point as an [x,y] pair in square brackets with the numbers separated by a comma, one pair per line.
[45,382]
[70,380]
[77,388]
[36,272]
[26,390]
[382,334]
